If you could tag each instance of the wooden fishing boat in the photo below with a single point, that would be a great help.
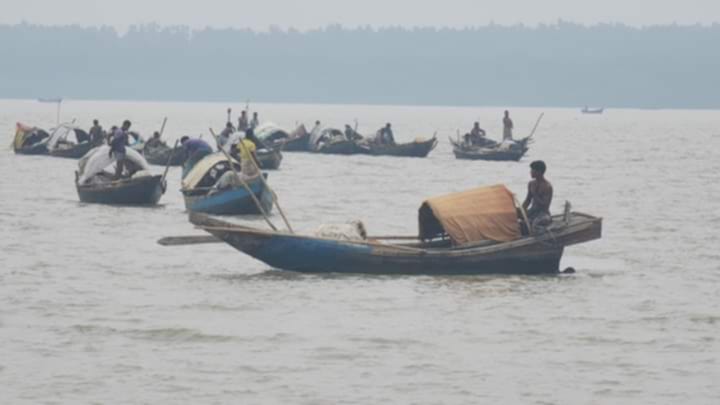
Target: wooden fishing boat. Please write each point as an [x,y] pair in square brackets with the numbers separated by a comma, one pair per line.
[587,110]
[298,143]
[269,159]
[487,240]
[95,185]
[161,154]
[30,140]
[410,149]
[234,201]
[494,153]
[144,190]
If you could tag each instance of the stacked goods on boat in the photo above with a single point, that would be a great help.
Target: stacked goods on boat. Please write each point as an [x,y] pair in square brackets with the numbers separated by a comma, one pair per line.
[135,185]
[507,150]
[334,141]
[69,141]
[279,139]
[213,186]
[30,140]
[472,232]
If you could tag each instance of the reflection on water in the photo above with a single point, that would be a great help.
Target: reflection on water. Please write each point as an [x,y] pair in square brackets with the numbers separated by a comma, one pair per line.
[93,310]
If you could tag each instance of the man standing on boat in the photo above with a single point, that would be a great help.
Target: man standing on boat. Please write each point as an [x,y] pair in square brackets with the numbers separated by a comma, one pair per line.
[118,141]
[539,197]
[96,133]
[385,135]
[255,122]
[195,151]
[476,135]
[243,124]
[507,126]
[224,137]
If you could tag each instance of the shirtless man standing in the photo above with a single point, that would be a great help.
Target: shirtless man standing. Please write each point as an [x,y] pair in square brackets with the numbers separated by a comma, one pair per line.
[539,197]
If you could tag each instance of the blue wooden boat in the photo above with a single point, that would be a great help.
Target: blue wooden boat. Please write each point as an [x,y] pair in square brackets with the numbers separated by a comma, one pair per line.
[234,201]
[437,250]
[145,190]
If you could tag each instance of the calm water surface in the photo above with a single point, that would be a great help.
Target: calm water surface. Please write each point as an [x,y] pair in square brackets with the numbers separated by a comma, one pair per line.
[92,310]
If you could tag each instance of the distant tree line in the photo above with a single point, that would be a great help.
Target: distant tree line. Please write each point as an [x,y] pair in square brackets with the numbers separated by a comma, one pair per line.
[550,65]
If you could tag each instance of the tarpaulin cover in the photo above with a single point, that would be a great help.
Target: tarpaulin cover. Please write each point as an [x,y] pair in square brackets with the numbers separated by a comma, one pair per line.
[99,159]
[486,213]
[198,172]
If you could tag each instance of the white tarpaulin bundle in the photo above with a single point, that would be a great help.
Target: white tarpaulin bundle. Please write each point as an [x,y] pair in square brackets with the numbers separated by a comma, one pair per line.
[99,159]
[60,133]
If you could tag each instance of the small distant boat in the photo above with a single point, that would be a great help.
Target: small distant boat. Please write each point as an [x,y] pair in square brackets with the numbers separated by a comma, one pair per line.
[200,195]
[160,155]
[333,141]
[30,140]
[95,185]
[418,148]
[587,110]
[50,100]
[473,232]
[492,151]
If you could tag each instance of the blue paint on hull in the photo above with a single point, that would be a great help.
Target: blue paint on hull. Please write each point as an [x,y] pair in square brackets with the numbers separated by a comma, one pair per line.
[232,202]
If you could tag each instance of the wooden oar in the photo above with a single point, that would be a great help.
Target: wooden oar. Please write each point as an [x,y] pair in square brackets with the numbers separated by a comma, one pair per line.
[262,178]
[536,125]
[524,215]
[167,165]
[244,184]
[162,128]
[187,240]
[203,239]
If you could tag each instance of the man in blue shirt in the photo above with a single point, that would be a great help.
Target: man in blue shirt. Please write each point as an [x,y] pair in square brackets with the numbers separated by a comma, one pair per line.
[118,141]
[195,151]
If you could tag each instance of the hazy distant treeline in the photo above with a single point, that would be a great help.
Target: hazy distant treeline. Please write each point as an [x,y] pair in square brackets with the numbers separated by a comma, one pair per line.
[559,65]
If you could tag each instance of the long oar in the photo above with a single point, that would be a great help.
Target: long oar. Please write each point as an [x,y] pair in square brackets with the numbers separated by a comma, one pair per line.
[262,178]
[536,125]
[244,184]
[162,128]
[167,165]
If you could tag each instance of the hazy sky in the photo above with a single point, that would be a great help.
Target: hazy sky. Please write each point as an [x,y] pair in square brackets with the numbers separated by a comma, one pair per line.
[304,14]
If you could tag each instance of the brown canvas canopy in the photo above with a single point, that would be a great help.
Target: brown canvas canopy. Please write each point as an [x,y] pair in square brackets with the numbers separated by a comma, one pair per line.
[485,213]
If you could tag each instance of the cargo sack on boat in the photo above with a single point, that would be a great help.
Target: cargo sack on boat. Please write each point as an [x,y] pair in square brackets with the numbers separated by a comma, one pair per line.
[98,159]
[486,213]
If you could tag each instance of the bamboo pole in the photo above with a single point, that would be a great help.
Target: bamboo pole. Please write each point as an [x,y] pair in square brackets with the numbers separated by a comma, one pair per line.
[162,128]
[245,185]
[262,178]
[172,153]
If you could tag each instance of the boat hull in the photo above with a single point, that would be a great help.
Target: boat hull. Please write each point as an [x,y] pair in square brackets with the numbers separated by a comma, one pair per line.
[411,149]
[38,149]
[137,191]
[343,148]
[295,144]
[269,160]
[236,201]
[159,155]
[530,255]
[74,152]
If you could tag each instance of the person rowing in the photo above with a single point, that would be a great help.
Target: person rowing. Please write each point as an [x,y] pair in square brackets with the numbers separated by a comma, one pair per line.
[118,142]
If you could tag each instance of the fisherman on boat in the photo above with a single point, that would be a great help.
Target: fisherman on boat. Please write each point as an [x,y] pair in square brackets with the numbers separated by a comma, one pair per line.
[225,135]
[539,197]
[97,135]
[195,150]
[507,127]
[243,124]
[351,134]
[385,135]
[476,135]
[155,141]
[255,122]
[118,141]
[246,152]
